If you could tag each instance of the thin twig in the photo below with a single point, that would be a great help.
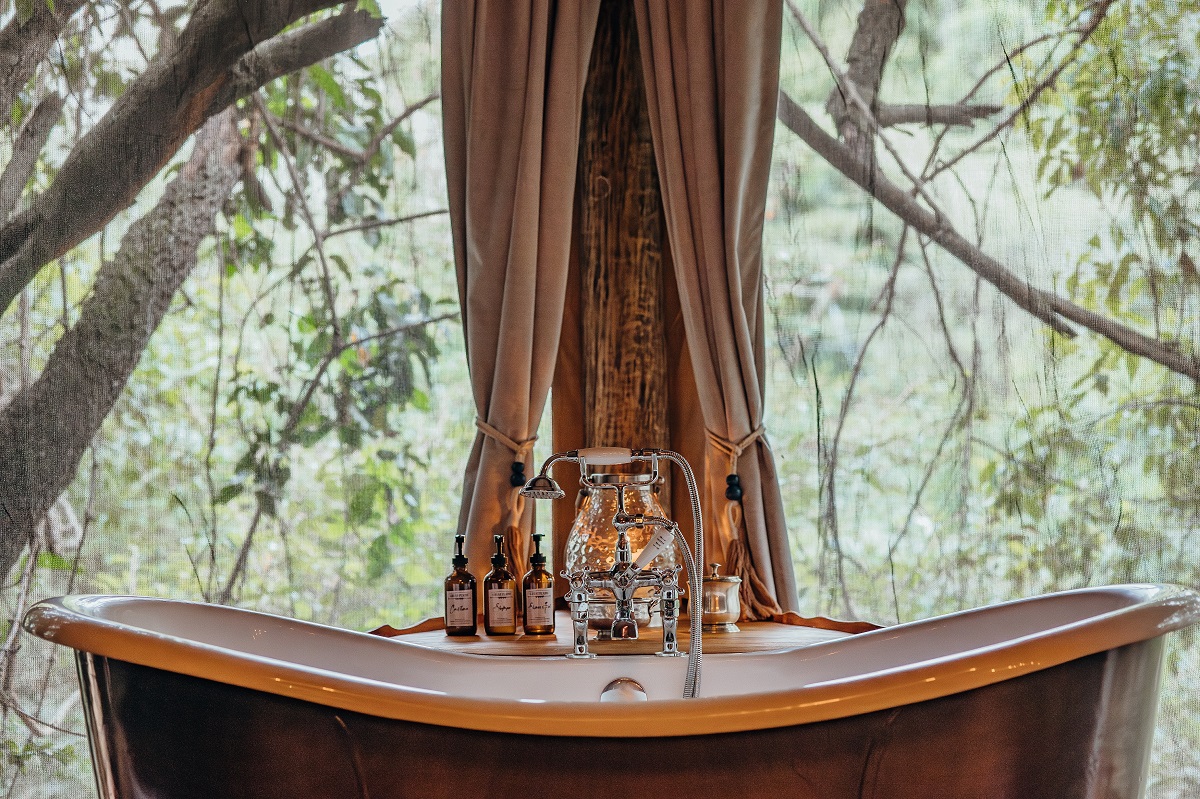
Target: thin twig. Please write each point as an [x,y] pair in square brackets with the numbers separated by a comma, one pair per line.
[8,653]
[829,478]
[318,232]
[1041,86]
[375,224]
[404,328]
[1044,305]
[320,138]
[239,565]
[210,444]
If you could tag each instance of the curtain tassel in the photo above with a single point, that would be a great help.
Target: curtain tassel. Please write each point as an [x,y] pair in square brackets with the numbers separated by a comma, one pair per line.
[757,601]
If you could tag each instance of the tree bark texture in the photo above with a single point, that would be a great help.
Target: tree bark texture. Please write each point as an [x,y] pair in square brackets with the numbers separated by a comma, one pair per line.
[622,307]
[31,138]
[168,102]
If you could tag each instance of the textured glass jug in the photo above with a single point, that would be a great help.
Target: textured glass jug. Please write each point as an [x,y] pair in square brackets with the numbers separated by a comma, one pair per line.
[592,542]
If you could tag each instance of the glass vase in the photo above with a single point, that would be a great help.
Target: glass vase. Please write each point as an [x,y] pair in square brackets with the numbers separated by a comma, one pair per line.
[592,542]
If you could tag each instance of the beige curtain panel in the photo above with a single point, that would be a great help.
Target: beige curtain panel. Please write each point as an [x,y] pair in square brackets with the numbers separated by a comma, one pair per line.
[512,81]
[712,82]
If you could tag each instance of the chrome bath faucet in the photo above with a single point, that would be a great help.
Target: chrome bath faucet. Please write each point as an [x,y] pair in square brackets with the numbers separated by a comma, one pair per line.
[630,571]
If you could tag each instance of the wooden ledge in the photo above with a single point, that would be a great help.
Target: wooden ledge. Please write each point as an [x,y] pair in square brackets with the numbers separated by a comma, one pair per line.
[755,636]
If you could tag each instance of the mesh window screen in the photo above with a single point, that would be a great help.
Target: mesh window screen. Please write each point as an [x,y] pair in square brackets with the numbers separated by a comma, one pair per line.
[231,363]
[984,304]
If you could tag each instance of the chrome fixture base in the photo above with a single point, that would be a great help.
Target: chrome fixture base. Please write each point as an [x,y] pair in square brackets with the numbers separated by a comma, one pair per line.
[725,627]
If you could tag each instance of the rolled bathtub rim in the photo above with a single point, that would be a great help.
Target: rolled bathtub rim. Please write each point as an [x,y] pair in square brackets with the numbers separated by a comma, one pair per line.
[1153,610]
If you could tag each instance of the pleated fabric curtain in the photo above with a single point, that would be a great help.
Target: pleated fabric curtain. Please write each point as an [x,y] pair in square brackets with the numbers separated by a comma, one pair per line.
[712,78]
[513,74]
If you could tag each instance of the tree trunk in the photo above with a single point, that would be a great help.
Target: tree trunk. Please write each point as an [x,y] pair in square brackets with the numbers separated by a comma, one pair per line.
[879,25]
[47,428]
[165,105]
[23,46]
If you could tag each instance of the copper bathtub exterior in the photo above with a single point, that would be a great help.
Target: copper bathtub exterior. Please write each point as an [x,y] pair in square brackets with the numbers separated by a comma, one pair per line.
[1057,729]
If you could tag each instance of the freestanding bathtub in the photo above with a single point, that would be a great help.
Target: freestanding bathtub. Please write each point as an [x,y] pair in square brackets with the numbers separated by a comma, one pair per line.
[1046,698]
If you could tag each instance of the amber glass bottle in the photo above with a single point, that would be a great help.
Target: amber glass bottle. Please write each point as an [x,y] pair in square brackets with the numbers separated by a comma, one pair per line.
[461,605]
[538,593]
[499,595]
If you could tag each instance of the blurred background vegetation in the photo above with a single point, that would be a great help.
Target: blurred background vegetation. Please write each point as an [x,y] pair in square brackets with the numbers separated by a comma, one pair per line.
[293,437]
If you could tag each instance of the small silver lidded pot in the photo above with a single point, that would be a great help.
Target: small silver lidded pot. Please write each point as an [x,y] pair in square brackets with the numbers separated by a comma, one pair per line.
[720,602]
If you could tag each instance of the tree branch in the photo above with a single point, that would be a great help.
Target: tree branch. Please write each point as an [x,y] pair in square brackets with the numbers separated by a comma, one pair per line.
[360,157]
[30,140]
[856,136]
[876,31]
[1044,305]
[1099,12]
[295,50]
[954,114]
[24,45]
[320,139]
[178,91]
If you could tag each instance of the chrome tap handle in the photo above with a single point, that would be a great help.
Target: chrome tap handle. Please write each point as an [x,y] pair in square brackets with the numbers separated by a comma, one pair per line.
[623,583]
[669,599]
[577,600]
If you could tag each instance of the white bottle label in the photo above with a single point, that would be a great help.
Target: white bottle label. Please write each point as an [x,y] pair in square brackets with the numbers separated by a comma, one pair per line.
[458,608]
[539,607]
[502,608]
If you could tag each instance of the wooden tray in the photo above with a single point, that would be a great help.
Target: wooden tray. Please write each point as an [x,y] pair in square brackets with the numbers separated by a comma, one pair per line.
[756,636]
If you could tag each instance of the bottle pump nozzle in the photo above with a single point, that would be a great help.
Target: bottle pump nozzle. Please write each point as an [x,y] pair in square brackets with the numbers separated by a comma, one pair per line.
[537,558]
[459,560]
[498,560]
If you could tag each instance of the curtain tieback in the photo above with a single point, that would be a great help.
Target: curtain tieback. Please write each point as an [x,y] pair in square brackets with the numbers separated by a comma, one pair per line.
[521,451]
[734,449]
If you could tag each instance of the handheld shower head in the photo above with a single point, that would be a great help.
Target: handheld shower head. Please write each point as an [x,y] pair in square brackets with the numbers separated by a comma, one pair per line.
[543,487]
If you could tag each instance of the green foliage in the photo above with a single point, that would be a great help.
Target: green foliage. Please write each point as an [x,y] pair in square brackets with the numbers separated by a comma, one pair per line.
[292,439]
[964,455]
[1121,127]
[24,753]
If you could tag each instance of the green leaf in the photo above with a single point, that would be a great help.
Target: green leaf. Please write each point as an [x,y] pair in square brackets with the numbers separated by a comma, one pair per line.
[329,84]
[1057,134]
[1132,362]
[49,560]
[379,557]
[266,503]
[1113,300]
[227,493]
[242,229]
[405,141]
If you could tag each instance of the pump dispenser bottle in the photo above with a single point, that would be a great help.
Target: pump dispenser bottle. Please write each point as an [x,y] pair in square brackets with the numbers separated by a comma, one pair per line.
[538,593]
[499,595]
[461,605]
